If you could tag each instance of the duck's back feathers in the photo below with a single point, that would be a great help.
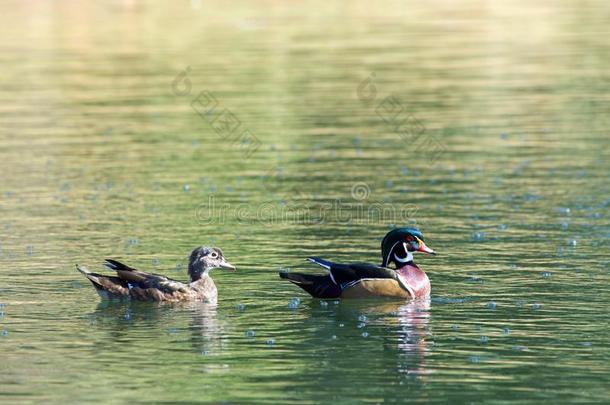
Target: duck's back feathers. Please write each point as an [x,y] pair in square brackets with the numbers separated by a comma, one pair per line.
[143,286]
[354,280]
[347,273]
[144,280]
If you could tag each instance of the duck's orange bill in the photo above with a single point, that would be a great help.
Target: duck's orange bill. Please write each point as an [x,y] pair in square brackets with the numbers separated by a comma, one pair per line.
[423,248]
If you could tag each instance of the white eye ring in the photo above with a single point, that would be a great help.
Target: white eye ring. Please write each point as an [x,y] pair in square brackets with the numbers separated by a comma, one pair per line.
[213,255]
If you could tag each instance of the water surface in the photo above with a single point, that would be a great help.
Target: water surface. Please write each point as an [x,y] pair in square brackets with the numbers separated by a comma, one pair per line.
[138,131]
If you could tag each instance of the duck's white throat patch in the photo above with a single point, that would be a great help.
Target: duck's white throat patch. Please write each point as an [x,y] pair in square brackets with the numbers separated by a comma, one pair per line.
[405,259]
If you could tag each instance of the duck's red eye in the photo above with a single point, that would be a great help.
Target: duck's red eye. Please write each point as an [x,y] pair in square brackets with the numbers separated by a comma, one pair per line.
[410,238]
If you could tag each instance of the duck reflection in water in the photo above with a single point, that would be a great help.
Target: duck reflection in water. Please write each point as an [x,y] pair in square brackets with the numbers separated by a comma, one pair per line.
[390,335]
[208,332]
[197,320]
[411,319]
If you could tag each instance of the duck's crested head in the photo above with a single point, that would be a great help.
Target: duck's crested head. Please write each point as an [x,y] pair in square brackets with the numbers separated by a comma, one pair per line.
[399,245]
[203,259]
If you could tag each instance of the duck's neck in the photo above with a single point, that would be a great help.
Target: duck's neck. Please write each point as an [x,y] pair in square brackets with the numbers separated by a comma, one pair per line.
[197,275]
[409,265]
[202,282]
[403,261]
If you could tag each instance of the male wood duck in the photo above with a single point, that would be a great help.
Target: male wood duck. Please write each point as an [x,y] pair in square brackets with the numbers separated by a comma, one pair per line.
[361,280]
[138,285]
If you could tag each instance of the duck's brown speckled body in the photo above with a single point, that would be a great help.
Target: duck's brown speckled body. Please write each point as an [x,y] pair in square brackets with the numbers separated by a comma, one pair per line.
[138,285]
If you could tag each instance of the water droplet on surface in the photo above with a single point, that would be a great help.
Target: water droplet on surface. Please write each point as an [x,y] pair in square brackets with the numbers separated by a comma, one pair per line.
[546,274]
[270,342]
[536,307]
[565,226]
[186,188]
[478,236]
[362,318]
[5,333]
[241,307]
[361,325]
[455,327]
[341,325]
[507,331]
[475,279]
[333,337]
[250,333]
[492,305]
[205,352]
[573,242]
[293,304]
[474,359]
[564,211]
[365,334]
[483,339]
[323,303]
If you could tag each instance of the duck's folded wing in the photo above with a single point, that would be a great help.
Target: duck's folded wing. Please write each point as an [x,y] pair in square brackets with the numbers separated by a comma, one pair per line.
[347,273]
[141,279]
[343,274]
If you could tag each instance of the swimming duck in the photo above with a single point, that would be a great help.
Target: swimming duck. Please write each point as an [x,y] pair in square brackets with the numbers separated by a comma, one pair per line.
[142,286]
[361,280]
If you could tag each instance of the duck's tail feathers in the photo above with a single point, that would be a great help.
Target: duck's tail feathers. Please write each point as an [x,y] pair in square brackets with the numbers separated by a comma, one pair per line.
[319,286]
[94,278]
[106,286]
[83,270]
[321,262]
[299,278]
[116,265]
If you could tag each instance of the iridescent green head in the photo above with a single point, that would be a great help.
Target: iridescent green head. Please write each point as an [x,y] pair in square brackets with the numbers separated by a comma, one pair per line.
[399,244]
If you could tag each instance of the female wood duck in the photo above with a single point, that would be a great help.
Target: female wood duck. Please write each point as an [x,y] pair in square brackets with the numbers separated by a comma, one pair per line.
[360,280]
[138,285]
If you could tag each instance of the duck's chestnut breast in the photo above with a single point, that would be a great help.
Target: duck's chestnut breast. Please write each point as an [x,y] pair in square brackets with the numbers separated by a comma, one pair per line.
[416,279]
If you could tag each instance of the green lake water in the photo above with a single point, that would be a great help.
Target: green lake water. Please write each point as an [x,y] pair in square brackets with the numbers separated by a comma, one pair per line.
[277,131]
